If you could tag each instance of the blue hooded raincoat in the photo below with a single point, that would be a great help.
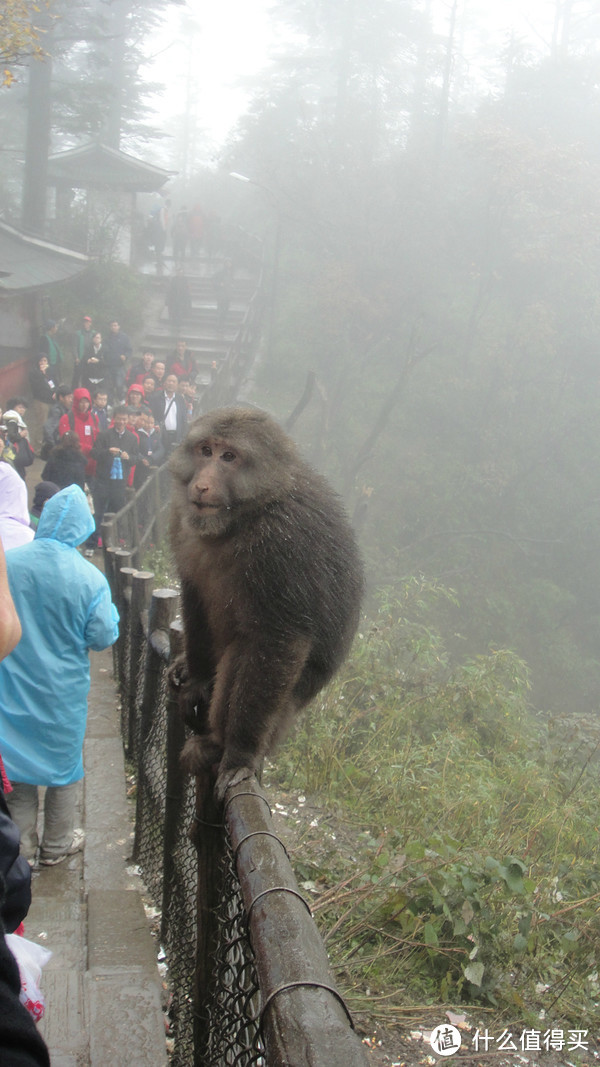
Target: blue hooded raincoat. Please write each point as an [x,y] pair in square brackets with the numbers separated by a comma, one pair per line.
[65,608]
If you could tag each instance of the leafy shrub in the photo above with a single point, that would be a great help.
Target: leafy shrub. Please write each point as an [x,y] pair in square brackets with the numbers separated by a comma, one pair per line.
[473,823]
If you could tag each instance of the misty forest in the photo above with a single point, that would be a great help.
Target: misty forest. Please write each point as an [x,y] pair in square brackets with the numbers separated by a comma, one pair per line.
[428,197]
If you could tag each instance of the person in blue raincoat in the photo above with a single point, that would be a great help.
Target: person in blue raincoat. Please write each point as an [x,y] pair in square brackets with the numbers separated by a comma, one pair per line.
[65,608]
[20,1042]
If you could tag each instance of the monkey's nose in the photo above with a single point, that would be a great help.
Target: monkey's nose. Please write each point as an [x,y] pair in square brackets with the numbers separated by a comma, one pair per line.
[196,493]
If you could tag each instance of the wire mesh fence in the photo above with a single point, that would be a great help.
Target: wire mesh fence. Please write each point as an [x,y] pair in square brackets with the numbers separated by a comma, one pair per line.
[249,976]
[234,1035]
[165,811]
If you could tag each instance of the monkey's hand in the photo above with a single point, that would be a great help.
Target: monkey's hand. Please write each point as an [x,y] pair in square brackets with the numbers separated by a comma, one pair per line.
[199,754]
[178,672]
[230,777]
[194,695]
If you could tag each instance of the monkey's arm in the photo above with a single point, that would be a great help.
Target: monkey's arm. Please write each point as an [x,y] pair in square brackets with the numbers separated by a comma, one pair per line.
[198,646]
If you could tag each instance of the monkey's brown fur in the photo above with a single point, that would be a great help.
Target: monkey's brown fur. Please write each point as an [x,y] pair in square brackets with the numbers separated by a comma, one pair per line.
[271,586]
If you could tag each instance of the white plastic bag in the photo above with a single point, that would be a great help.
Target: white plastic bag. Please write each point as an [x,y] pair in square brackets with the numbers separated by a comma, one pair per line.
[30,960]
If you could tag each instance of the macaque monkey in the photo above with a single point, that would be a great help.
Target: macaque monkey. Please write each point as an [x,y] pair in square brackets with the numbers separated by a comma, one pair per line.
[271,585]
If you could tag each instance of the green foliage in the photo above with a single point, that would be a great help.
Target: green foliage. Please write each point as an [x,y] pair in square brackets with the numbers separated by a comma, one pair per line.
[159,560]
[464,866]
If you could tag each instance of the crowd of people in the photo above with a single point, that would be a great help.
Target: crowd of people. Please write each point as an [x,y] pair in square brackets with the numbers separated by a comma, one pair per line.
[190,228]
[100,417]
[100,432]
[119,416]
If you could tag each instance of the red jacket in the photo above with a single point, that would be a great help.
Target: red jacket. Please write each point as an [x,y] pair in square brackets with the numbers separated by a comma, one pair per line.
[85,426]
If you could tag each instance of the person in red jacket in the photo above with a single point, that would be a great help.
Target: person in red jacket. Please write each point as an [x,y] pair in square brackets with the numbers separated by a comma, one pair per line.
[84,423]
[135,396]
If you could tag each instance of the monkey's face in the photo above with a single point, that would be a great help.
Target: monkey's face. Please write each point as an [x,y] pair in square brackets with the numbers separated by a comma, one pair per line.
[218,485]
[230,465]
[212,491]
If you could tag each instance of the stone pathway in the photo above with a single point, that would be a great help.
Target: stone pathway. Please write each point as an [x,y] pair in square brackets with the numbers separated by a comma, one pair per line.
[102,986]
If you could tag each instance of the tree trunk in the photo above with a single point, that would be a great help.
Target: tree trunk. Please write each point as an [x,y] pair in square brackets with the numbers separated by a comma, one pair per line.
[37,145]
[442,123]
[118,31]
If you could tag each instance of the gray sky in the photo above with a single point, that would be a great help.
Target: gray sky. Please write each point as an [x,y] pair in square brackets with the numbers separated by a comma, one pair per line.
[233,39]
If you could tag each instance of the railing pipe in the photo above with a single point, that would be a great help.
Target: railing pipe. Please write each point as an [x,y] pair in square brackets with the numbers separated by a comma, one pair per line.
[303,1017]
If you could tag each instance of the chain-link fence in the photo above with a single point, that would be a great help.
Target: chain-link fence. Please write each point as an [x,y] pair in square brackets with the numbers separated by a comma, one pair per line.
[249,976]
[232,1032]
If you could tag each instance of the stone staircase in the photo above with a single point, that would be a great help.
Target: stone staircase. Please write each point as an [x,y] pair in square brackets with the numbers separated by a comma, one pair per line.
[209,340]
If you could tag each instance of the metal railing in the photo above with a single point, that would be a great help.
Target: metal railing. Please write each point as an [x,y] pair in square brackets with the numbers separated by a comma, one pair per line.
[249,974]
[142,523]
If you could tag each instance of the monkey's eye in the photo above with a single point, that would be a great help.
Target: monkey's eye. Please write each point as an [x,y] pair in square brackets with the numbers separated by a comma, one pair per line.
[203,450]
[228,457]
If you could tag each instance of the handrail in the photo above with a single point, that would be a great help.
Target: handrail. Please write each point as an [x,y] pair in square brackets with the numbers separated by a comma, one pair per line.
[143,519]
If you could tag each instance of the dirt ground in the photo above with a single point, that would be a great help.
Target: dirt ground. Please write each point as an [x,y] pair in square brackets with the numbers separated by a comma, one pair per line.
[412,1048]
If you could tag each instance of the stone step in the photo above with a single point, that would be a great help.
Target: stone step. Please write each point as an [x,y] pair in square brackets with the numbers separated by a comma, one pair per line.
[122,983]
[199,346]
[57,920]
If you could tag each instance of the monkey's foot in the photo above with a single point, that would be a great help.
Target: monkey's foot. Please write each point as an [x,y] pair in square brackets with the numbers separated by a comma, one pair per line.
[228,778]
[199,754]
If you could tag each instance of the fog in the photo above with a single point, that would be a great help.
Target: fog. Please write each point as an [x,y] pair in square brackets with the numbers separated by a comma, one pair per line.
[231,44]
[424,177]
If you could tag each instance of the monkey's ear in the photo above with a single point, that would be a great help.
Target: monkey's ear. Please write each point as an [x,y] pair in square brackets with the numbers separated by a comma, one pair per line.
[229,778]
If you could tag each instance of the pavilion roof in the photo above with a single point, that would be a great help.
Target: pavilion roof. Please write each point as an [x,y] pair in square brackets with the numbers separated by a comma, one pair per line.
[96,165]
[28,262]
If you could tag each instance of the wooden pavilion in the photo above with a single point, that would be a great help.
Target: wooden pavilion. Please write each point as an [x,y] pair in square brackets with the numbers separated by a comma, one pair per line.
[95,203]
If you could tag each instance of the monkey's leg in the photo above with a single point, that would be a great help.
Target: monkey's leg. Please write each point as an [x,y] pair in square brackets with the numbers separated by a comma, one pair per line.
[201,752]
[315,674]
[191,674]
[260,698]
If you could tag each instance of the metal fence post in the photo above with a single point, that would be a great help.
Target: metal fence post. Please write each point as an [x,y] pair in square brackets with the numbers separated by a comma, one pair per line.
[163,608]
[175,788]
[108,544]
[107,530]
[209,839]
[159,518]
[123,575]
[141,595]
